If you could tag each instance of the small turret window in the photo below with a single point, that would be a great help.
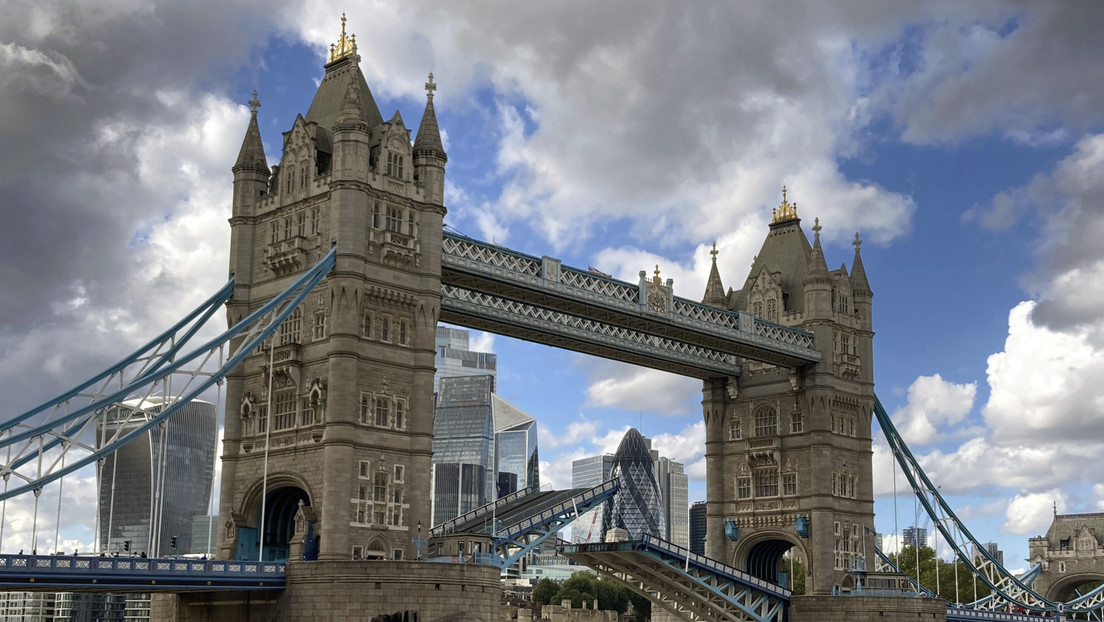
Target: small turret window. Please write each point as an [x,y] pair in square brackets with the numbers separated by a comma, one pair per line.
[395,165]
[316,220]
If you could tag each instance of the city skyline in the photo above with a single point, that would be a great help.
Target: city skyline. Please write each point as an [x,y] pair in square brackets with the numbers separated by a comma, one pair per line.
[965,159]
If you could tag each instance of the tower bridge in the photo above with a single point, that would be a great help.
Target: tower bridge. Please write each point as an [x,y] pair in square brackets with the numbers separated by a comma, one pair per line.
[340,270]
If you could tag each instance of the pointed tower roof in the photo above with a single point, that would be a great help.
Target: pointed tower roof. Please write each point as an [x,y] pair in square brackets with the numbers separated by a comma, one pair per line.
[343,68]
[786,252]
[818,267]
[714,289]
[429,135]
[859,283]
[351,113]
[252,155]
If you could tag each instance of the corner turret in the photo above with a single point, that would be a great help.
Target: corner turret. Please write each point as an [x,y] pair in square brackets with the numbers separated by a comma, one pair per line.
[714,289]
[429,152]
[250,184]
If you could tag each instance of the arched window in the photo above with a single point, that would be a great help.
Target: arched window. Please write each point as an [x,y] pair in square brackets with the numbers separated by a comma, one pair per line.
[757,309]
[734,431]
[766,421]
[772,310]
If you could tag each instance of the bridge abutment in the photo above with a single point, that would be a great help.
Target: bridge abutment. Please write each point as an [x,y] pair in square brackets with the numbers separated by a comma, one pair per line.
[341,591]
[865,609]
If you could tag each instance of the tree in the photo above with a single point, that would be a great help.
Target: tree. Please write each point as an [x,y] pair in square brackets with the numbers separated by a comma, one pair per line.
[967,582]
[585,587]
[545,591]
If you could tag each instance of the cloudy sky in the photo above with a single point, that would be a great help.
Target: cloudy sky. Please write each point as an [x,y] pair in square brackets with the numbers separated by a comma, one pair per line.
[963,140]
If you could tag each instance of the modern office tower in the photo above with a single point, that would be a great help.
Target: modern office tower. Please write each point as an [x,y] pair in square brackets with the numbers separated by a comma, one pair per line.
[517,463]
[587,473]
[674,487]
[150,488]
[454,359]
[994,551]
[914,536]
[95,607]
[27,606]
[204,535]
[697,528]
[463,446]
[637,507]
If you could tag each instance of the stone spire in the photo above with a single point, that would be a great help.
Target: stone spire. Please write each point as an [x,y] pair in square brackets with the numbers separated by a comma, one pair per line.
[252,155]
[714,289]
[818,267]
[859,284]
[428,141]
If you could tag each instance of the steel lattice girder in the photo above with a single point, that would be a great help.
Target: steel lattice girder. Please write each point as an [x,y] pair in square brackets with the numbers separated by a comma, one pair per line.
[681,585]
[29,442]
[543,282]
[522,320]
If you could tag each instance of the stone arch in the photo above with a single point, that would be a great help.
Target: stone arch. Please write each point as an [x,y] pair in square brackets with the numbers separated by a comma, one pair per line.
[378,548]
[761,555]
[1064,588]
[281,502]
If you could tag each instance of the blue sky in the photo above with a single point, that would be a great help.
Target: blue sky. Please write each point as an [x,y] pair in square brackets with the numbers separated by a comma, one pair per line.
[961,140]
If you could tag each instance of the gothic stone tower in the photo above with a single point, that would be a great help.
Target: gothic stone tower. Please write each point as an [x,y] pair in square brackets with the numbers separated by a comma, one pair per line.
[351,422]
[788,452]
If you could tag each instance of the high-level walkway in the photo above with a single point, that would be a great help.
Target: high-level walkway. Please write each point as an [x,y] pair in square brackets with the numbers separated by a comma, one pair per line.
[489,287]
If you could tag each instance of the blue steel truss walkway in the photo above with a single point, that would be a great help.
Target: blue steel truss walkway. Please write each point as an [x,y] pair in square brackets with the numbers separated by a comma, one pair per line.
[488,287]
[520,522]
[688,585]
[39,573]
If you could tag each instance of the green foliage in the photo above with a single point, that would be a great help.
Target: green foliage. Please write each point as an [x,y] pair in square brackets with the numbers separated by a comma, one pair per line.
[585,587]
[906,561]
[797,577]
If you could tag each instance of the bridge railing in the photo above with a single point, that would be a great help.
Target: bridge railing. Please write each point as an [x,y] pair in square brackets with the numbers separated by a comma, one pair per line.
[101,571]
[713,565]
[547,274]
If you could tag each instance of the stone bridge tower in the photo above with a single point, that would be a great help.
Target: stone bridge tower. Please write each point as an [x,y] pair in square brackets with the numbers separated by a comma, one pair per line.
[788,452]
[1072,555]
[346,406]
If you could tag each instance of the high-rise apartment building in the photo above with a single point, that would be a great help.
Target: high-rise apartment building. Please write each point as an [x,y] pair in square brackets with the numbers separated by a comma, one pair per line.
[994,550]
[914,536]
[673,488]
[150,488]
[697,528]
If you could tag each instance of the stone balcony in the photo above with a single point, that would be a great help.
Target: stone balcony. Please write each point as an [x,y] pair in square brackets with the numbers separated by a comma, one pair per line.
[287,256]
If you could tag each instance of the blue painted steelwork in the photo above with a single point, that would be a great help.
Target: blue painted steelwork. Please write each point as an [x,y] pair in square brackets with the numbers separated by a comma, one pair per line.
[1009,591]
[131,574]
[684,582]
[30,441]
[889,562]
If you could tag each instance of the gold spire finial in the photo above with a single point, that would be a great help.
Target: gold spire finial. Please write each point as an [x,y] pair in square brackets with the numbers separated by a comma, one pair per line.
[656,279]
[345,46]
[785,211]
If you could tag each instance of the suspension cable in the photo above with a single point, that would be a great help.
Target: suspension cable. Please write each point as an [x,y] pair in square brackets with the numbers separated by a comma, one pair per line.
[57,524]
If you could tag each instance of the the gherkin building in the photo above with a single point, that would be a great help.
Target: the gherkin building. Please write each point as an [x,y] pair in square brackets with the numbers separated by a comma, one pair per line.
[636,507]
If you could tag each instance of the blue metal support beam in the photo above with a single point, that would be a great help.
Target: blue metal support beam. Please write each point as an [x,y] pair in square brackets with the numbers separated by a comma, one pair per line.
[30,573]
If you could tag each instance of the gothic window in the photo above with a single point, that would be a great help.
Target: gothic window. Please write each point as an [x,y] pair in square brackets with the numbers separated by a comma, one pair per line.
[789,484]
[262,418]
[394,165]
[383,409]
[379,487]
[316,220]
[758,309]
[283,409]
[307,412]
[290,180]
[743,487]
[301,224]
[797,422]
[287,228]
[385,329]
[394,219]
[289,330]
[766,421]
[365,468]
[275,233]
[319,325]
[303,176]
[766,482]
[400,472]
[375,214]
[368,325]
[734,432]
[410,223]
[365,409]
[772,310]
[402,332]
[400,414]
[1061,566]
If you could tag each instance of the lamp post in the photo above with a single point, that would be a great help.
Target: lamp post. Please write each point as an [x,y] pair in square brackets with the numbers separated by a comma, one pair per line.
[418,542]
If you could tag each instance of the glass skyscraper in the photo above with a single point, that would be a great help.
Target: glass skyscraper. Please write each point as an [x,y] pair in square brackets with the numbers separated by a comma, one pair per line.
[637,507]
[163,476]
[587,473]
[517,462]
[697,528]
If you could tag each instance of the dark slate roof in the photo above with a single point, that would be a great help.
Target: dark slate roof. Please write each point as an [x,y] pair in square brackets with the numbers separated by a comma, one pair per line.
[858,274]
[785,250]
[331,95]
[252,155]
[429,135]
[1069,525]
[714,289]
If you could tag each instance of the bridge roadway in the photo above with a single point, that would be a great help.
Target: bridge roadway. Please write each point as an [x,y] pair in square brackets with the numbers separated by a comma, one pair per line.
[69,573]
[489,287]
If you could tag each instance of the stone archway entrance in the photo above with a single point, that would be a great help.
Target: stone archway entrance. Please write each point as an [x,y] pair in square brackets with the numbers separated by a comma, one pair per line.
[767,560]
